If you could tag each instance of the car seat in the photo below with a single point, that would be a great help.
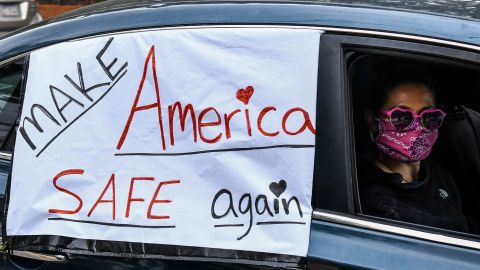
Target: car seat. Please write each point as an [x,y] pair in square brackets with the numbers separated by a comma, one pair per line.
[458,150]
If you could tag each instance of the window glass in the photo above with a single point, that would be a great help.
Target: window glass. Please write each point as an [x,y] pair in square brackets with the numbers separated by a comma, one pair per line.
[10,86]
[417,139]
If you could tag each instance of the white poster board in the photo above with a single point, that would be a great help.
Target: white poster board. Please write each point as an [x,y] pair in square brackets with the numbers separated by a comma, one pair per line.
[190,137]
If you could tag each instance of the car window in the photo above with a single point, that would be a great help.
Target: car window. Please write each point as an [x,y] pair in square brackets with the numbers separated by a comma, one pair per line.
[416,124]
[10,87]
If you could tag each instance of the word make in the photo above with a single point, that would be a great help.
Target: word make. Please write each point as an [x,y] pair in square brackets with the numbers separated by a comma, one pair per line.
[55,92]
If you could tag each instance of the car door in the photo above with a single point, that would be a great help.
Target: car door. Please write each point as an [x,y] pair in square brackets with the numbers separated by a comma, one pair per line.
[343,237]
[81,261]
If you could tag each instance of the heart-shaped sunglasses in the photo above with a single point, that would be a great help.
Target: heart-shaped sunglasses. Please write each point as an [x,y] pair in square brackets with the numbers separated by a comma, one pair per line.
[402,119]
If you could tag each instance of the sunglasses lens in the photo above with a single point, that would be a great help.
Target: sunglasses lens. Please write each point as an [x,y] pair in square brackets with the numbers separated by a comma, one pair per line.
[401,119]
[432,120]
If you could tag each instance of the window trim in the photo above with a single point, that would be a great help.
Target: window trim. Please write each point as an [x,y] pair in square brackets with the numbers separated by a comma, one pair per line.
[391,228]
[5,156]
[13,59]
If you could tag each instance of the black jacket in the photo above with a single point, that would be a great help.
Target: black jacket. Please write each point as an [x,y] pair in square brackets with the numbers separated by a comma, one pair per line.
[432,200]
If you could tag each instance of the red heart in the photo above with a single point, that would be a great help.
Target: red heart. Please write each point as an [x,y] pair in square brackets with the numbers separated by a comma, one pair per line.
[244,95]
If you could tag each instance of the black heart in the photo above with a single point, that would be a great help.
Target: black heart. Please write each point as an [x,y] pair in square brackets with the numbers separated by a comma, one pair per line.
[278,188]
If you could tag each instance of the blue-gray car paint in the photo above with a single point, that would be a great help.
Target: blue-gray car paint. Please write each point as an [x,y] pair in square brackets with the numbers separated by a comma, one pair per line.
[334,244]
[151,16]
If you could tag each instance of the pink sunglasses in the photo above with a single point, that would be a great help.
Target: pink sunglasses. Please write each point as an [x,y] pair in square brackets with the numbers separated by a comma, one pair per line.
[402,119]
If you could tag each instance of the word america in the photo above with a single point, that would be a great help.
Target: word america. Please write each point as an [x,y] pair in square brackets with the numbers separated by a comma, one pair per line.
[198,123]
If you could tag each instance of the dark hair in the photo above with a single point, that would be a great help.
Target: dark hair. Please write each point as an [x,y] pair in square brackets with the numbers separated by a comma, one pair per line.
[390,76]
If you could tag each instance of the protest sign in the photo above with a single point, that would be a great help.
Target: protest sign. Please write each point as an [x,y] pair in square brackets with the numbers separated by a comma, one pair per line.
[186,137]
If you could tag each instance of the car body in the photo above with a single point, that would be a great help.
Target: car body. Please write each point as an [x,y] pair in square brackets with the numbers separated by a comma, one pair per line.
[16,14]
[340,239]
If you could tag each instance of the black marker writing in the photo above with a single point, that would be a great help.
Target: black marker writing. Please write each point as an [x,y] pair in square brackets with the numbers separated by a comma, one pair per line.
[56,93]
[108,68]
[261,207]
[33,120]
[81,88]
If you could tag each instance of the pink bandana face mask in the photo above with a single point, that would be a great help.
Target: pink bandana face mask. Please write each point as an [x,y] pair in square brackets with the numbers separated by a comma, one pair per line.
[413,143]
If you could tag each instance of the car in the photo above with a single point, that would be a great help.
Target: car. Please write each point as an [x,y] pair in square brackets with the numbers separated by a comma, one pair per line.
[17,14]
[336,46]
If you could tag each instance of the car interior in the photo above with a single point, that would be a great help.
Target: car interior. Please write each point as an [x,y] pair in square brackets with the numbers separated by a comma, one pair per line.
[456,88]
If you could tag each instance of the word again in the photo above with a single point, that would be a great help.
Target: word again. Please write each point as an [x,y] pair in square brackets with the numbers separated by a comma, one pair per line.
[261,205]
[63,100]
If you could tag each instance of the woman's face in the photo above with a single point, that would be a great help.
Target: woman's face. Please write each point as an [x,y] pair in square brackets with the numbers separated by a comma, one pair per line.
[405,137]
[416,97]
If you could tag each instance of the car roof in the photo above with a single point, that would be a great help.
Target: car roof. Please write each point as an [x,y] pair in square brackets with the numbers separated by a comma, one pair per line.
[463,8]
[125,15]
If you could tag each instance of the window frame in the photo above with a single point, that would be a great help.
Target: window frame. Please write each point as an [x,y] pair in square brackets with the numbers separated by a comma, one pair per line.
[334,45]
[7,156]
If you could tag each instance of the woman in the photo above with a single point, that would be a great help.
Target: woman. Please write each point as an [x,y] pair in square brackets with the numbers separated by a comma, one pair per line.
[397,181]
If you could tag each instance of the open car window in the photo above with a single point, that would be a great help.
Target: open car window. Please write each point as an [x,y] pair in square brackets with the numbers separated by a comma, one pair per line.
[442,192]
